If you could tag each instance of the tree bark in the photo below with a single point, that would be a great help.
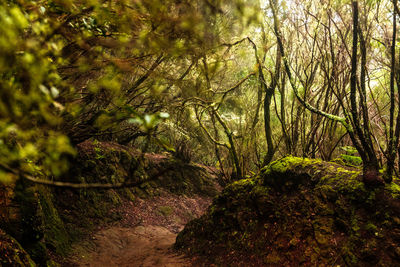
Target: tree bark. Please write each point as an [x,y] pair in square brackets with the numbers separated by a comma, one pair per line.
[393,140]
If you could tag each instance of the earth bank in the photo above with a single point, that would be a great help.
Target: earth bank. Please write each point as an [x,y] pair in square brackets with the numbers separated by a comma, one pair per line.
[299,212]
[40,224]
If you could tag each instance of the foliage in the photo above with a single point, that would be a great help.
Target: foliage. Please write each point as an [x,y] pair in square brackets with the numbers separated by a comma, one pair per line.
[72,70]
[154,73]
[352,160]
[232,84]
[116,71]
[30,84]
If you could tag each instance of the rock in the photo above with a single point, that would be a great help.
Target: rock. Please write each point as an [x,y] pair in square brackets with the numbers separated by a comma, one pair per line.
[11,252]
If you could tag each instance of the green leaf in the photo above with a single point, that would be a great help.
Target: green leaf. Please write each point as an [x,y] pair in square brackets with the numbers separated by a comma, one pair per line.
[164,115]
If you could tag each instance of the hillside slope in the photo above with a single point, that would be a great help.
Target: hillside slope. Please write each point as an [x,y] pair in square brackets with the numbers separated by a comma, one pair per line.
[299,212]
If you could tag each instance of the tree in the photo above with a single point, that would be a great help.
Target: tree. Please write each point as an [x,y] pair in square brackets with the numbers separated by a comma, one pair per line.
[361,136]
[75,70]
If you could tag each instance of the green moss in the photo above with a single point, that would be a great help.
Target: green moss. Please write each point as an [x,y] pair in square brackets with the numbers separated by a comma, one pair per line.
[289,163]
[327,192]
[344,181]
[242,183]
[52,263]
[139,192]
[129,195]
[339,161]
[348,255]
[261,191]
[99,153]
[306,207]
[371,227]
[54,231]
[351,160]
[394,188]
[273,258]
[114,197]
[165,210]
[322,238]
[12,253]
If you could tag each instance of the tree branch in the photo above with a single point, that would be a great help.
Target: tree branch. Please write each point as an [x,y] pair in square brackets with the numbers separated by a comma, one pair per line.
[342,120]
[84,185]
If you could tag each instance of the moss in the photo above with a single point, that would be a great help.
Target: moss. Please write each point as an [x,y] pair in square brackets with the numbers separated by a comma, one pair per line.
[52,263]
[344,181]
[394,188]
[339,161]
[371,198]
[328,192]
[165,210]
[38,252]
[348,256]
[289,163]
[114,197]
[99,153]
[242,183]
[26,225]
[12,253]
[371,227]
[54,230]
[139,192]
[351,160]
[290,172]
[129,195]
[273,258]
[296,209]
[322,238]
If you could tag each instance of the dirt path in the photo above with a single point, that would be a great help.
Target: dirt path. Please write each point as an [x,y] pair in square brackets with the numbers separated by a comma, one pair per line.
[145,235]
[143,246]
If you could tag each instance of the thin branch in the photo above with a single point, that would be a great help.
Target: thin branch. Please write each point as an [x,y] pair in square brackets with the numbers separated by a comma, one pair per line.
[292,81]
[225,93]
[84,185]
[208,133]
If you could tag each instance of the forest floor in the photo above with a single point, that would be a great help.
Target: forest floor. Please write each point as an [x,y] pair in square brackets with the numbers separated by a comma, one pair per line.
[144,236]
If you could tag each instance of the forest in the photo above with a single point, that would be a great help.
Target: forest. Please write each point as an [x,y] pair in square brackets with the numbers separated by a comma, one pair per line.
[227,132]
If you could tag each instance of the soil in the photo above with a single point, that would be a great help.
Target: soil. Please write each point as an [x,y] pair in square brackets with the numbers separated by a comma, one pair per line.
[139,246]
[144,236]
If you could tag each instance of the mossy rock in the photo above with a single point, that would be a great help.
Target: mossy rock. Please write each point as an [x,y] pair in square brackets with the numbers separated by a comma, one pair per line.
[299,212]
[26,224]
[12,253]
[107,162]
[55,234]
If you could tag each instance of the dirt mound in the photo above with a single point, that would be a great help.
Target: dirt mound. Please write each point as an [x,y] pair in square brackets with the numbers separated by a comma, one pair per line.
[299,212]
